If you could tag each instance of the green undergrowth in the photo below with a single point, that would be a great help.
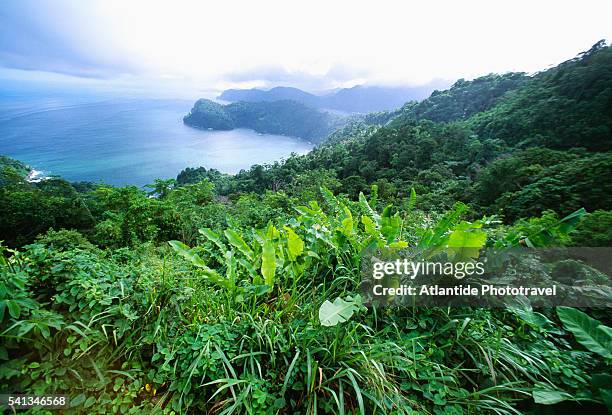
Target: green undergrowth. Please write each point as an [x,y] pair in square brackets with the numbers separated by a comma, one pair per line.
[243,322]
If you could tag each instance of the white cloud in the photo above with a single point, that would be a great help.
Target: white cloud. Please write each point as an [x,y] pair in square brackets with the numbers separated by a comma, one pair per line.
[209,43]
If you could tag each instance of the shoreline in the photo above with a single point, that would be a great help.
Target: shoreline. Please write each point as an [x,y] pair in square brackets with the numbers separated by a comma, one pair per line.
[35,176]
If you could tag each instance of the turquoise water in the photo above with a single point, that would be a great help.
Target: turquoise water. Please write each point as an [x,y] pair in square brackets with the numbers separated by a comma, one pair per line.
[126,141]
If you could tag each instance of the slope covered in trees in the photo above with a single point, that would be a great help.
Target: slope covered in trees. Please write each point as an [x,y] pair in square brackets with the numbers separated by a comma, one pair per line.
[278,117]
[564,107]
[463,99]
[484,141]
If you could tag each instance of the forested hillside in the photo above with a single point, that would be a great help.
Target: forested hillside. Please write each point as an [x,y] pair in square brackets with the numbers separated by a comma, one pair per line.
[463,99]
[508,144]
[278,117]
[568,106]
[212,293]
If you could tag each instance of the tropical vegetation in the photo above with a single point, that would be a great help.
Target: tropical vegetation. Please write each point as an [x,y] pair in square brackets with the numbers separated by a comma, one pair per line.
[220,294]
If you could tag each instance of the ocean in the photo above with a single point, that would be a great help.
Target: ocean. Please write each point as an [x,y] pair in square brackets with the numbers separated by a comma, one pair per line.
[125,141]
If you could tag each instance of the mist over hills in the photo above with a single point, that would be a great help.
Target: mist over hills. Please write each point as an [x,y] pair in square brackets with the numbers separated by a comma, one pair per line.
[359,98]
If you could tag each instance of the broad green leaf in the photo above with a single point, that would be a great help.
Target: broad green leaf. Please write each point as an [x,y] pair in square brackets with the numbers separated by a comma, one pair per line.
[347,222]
[586,331]
[369,226]
[398,245]
[77,400]
[271,231]
[214,238]
[366,206]
[531,317]
[390,225]
[197,261]
[412,200]
[606,330]
[295,245]
[214,277]
[181,248]
[329,197]
[466,235]
[347,226]
[569,222]
[249,267]
[438,236]
[89,402]
[549,397]
[330,314]
[306,212]
[465,241]
[268,261]
[236,240]
[230,267]
[14,308]
[187,253]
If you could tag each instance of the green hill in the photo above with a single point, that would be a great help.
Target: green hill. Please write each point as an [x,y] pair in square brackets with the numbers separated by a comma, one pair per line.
[287,117]
[564,107]
[463,99]
[452,146]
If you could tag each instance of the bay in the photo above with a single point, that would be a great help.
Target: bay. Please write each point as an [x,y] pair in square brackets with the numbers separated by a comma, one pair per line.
[126,141]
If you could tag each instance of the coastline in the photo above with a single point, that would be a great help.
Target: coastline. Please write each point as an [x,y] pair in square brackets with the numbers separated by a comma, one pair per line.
[35,176]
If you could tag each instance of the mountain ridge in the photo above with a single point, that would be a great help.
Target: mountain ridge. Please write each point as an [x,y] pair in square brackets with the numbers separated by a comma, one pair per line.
[357,99]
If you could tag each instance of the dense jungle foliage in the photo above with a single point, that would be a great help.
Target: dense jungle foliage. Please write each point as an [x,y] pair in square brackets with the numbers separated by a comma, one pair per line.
[222,294]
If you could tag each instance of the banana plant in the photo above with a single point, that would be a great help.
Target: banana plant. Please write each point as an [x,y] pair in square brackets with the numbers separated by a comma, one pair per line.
[256,261]
[383,230]
[545,234]
[228,282]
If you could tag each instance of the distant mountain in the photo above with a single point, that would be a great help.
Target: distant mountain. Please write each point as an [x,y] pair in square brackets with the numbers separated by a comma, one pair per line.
[285,117]
[356,99]
[279,93]
[374,98]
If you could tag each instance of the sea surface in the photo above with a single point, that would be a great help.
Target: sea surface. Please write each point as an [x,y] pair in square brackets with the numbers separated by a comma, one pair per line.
[125,141]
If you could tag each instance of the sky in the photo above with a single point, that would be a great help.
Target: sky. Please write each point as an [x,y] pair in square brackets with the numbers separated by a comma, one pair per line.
[191,48]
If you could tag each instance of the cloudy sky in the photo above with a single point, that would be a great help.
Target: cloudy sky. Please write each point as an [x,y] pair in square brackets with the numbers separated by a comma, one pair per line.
[199,46]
